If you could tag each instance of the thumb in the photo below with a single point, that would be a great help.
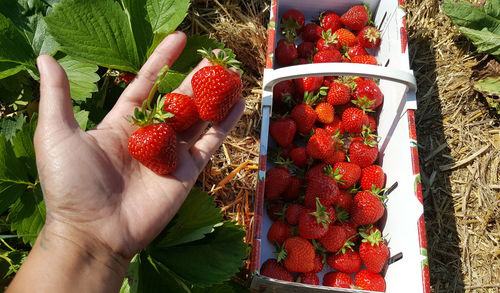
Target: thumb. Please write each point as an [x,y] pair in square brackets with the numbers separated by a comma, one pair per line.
[55,108]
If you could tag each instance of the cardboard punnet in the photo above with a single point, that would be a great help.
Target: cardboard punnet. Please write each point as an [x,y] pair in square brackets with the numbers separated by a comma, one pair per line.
[403,224]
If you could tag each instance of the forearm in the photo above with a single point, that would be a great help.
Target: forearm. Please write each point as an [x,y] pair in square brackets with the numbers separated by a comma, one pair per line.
[66,263]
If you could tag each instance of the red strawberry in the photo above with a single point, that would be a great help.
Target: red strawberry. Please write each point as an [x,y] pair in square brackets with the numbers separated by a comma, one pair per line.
[320,146]
[338,280]
[285,52]
[293,190]
[299,255]
[356,17]
[370,281]
[327,56]
[328,41]
[308,84]
[307,278]
[155,146]
[303,61]
[367,208]
[184,110]
[299,157]
[283,131]
[125,77]
[306,50]
[278,232]
[336,156]
[345,201]
[368,94]
[304,115]
[373,251]
[274,210]
[293,213]
[325,112]
[338,94]
[313,224]
[292,19]
[369,37]
[363,152]
[334,238]
[350,174]
[277,181]
[318,264]
[312,32]
[329,20]
[364,59]
[335,126]
[272,269]
[372,177]
[353,119]
[351,228]
[346,261]
[345,38]
[315,172]
[284,95]
[356,50]
[372,124]
[216,88]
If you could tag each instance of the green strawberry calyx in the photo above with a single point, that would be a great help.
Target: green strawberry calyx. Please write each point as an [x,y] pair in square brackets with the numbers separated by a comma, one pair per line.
[322,216]
[347,245]
[374,238]
[224,57]
[289,28]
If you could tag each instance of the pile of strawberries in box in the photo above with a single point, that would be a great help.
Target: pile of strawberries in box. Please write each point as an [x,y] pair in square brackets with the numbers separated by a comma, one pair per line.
[325,191]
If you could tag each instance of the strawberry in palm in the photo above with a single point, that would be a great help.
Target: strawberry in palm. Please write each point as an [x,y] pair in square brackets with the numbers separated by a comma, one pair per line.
[183,109]
[216,88]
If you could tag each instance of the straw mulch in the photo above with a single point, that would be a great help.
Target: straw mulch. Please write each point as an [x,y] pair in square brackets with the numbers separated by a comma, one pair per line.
[458,139]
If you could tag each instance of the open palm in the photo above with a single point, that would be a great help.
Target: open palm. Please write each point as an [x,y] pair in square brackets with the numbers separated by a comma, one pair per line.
[90,182]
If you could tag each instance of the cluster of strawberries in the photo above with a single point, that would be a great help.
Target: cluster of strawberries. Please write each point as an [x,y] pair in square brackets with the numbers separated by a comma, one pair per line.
[216,89]
[325,193]
[330,41]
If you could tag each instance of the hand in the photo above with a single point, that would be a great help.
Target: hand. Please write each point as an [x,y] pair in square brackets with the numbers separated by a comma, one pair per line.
[94,191]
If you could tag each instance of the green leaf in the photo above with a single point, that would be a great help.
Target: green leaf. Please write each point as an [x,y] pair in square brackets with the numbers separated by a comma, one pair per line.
[197,217]
[82,77]
[82,117]
[16,87]
[217,257]
[488,86]
[142,30]
[484,40]
[15,48]
[166,15]
[9,68]
[492,8]
[97,31]
[24,148]
[10,126]
[226,287]
[41,41]
[465,14]
[171,81]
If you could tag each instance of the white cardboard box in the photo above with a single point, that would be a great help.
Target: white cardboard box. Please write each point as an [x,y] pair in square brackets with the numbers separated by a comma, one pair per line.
[403,224]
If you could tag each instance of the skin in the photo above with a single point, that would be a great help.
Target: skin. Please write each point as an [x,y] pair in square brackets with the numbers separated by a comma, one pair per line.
[103,206]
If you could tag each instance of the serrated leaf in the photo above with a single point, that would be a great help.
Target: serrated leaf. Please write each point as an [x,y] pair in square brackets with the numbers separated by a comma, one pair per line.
[142,30]
[82,117]
[484,40]
[492,8]
[97,31]
[197,217]
[16,87]
[218,256]
[166,15]
[9,68]
[82,77]
[189,57]
[24,148]
[465,14]
[15,48]
[41,41]
[171,81]
[10,126]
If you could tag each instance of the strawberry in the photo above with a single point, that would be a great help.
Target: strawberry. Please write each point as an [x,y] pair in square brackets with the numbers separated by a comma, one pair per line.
[345,201]
[306,50]
[351,228]
[183,109]
[293,213]
[347,260]
[356,50]
[368,95]
[372,177]
[308,84]
[318,264]
[369,37]
[283,131]
[284,95]
[349,174]
[367,208]
[356,17]
[338,280]
[336,126]
[329,20]
[216,88]
[278,232]
[293,19]
[353,119]
[286,52]
[373,251]
[307,278]
[327,56]
[325,112]
[313,224]
[312,32]
[345,38]
[304,115]
[364,59]
[338,94]
[272,269]
[299,157]
[321,186]
[125,77]
[334,238]
[298,255]
[370,281]
[372,124]
[274,210]
[327,41]
[336,156]
[293,190]
[320,146]
[277,181]
[363,151]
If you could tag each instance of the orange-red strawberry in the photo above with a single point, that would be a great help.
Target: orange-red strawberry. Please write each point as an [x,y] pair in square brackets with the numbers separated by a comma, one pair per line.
[338,94]
[350,174]
[364,59]
[155,146]
[372,177]
[293,213]
[308,278]
[353,119]
[363,152]
[345,38]
[369,37]
[278,232]
[283,131]
[329,20]
[277,181]
[373,251]
[308,84]
[183,109]
[338,280]
[367,208]
[313,224]
[312,32]
[285,52]
[216,88]
[336,156]
[320,146]
[299,157]
[299,255]
[335,126]
[293,191]
[325,112]
[334,238]
[326,56]
[356,17]
[370,281]
[346,261]
[272,269]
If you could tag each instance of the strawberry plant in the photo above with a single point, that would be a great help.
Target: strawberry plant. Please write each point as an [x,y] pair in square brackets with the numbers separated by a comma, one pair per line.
[102,45]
